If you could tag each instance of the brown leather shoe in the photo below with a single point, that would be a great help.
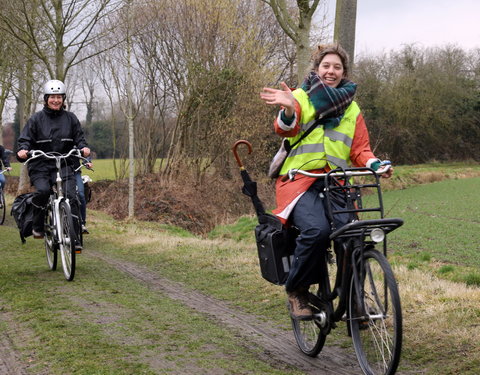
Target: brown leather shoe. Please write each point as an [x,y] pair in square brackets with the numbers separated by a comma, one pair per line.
[298,302]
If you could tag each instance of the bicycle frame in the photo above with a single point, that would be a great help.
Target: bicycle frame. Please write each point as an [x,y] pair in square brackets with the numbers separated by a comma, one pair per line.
[58,197]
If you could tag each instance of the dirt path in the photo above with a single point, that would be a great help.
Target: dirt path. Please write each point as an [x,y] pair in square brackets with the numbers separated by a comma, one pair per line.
[11,362]
[278,345]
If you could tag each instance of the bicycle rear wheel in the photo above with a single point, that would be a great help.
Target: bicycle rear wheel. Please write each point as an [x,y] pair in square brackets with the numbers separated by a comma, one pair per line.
[67,241]
[308,333]
[51,246]
[376,324]
[3,207]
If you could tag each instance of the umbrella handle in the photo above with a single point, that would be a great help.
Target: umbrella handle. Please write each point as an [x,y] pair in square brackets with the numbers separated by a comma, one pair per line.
[234,150]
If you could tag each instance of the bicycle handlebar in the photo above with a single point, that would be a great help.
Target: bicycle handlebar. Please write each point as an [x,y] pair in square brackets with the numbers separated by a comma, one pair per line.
[34,154]
[84,165]
[348,173]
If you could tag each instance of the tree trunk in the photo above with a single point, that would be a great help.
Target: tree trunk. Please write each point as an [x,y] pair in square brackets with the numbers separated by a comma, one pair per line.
[131,155]
[24,111]
[345,24]
[303,48]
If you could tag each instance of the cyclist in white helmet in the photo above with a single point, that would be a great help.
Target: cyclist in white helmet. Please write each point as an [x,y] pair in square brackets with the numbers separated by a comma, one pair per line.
[51,129]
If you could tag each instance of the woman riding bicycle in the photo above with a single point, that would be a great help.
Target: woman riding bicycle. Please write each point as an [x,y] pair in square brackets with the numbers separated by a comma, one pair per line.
[339,138]
[51,129]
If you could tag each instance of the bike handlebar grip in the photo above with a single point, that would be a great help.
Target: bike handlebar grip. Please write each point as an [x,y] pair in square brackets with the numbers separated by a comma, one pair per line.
[384,167]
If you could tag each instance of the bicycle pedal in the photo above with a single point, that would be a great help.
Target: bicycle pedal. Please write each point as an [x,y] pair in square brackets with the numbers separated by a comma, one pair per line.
[362,326]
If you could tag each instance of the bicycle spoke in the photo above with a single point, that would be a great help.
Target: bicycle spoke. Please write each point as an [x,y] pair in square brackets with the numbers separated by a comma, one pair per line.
[50,246]
[308,335]
[67,245]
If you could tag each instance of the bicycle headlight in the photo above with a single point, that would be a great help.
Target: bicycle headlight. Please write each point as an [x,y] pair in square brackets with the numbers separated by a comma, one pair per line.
[377,235]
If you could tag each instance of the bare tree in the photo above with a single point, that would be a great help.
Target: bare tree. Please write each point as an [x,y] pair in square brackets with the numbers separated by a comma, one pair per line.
[296,22]
[129,113]
[56,31]
[25,107]
[121,69]
[108,68]
[209,58]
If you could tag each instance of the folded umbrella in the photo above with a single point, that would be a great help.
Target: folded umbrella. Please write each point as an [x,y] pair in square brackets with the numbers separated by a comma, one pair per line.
[249,186]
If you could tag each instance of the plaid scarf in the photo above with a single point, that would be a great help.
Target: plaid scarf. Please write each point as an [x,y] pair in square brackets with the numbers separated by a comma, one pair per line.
[330,103]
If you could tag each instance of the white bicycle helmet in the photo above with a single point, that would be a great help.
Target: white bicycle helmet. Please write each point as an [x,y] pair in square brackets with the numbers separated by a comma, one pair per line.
[55,87]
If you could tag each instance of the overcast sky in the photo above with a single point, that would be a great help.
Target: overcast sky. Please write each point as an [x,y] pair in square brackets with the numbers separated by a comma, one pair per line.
[383,25]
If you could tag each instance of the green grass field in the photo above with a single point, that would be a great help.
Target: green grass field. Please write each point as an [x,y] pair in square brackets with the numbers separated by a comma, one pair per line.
[404,175]
[103,169]
[441,226]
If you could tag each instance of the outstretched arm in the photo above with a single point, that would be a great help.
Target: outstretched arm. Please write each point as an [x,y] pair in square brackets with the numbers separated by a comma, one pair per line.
[283,97]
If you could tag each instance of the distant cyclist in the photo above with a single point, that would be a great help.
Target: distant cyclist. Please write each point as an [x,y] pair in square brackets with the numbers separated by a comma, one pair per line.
[81,194]
[51,129]
[4,157]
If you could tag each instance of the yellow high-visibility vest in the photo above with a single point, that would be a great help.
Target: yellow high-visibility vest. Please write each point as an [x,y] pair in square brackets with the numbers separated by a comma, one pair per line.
[321,146]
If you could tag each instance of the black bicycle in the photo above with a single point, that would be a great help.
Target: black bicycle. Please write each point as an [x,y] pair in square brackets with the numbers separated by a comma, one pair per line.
[3,204]
[358,285]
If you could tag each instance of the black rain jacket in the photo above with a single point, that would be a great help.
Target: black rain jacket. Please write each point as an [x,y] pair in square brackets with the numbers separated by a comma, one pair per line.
[50,130]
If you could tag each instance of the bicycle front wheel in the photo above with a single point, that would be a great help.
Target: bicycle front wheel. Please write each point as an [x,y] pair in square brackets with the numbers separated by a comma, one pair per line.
[376,321]
[3,207]
[67,241]
[51,246]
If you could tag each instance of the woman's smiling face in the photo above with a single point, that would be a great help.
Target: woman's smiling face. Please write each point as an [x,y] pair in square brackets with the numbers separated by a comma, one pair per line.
[55,101]
[331,70]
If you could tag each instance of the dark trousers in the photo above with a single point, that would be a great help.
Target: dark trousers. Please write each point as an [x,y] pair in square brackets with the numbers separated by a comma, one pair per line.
[43,183]
[81,196]
[310,217]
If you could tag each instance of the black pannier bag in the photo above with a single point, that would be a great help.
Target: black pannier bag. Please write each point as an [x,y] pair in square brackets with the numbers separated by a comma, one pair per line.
[22,212]
[275,245]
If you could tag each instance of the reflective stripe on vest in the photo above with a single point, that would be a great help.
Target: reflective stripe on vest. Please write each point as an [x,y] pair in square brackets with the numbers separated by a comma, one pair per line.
[321,145]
